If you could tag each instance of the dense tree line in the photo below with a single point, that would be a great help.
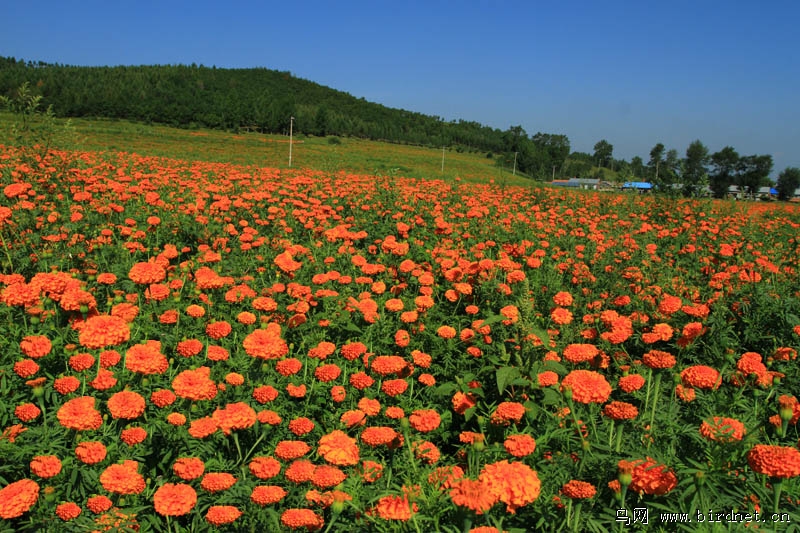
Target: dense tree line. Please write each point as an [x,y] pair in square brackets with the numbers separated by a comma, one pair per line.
[262,100]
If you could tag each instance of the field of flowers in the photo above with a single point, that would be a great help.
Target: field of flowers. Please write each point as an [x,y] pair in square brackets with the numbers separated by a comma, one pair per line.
[191,345]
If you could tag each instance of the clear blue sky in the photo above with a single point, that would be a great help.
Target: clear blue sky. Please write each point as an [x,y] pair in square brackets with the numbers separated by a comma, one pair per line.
[634,73]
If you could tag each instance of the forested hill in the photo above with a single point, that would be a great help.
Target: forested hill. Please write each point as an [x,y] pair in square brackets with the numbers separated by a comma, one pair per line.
[262,100]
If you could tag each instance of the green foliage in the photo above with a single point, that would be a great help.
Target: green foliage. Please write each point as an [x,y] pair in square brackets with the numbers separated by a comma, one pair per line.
[788,182]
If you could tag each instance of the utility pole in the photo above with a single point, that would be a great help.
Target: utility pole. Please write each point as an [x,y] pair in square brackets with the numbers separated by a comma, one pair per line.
[554,173]
[291,124]
[514,173]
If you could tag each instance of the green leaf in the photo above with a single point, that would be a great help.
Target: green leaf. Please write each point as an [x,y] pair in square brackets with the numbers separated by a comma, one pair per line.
[506,375]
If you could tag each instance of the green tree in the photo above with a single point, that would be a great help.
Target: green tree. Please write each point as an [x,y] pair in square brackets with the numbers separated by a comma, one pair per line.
[788,183]
[637,167]
[603,151]
[723,172]
[655,163]
[752,172]
[695,171]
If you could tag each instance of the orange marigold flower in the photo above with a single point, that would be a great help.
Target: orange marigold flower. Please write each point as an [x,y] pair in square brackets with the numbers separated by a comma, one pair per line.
[353,350]
[514,484]
[338,448]
[45,466]
[780,462]
[188,468]
[670,305]
[443,477]
[162,398]
[378,435]
[265,394]
[68,511]
[361,380]
[264,467]
[267,494]
[722,429]
[548,378]
[170,316]
[369,406]
[701,377]
[35,346]
[302,518]
[631,383]
[472,494]
[195,311]
[395,508]
[296,391]
[147,273]
[394,387]
[99,504]
[507,412]
[657,359]
[300,426]
[425,420]
[686,394]
[461,402]
[203,427]
[586,386]
[122,479]
[520,445]
[234,416]
[146,358]
[649,477]
[195,384]
[579,353]
[289,366]
[82,361]
[300,471]
[563,299]
[126,405]
[176,419]
[620,411]
[578,490]
[291,449]
[326,476]
[79,414]
[189,347]
[217,481]
[27,412]
[266,343]
[17,498]
[322,350]
[371,471]
[26,368]
[218,330]
[327,373]
[446,332]
[383,365]
[174,499]
[133,436]
[90,452]
[561,316]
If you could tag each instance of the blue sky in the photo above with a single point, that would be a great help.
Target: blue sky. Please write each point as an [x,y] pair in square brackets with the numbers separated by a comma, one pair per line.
[634,73]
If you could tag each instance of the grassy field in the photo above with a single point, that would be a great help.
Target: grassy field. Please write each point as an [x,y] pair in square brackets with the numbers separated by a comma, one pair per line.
[317,153]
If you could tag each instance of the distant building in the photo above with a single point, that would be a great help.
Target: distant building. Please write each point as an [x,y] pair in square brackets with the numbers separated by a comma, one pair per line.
[640,186]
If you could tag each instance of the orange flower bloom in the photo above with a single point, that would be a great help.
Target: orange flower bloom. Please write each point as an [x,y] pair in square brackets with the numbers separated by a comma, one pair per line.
[383,365]
[195,384]
[174,499]
[234,416]
[35,346]
[300,471]
[189,347]
[264,467]
[133,436]
[99,504]
[701,377]
[126,405]
[27,412]
[395,508]
[188,468]
[514,484]
[425,420]
[781,462]
[326,476]
[267,494]
[579,353]
[147,273]
[561,316]
[90,452]
[446,332]
[122,479]
[520,445]
[394,387]
[146,358]
[337,448]
[378,435]
[45,466]
[578,490]
[217,481]
[722,429]
[266,343]
[17,498]
[291,449]
[68,511]
[289,366]
[302,518]
[79,414]
[649,477]
[657,359]
[473,495]
[218,515]
[631,383]
[507,412]
[620,411]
